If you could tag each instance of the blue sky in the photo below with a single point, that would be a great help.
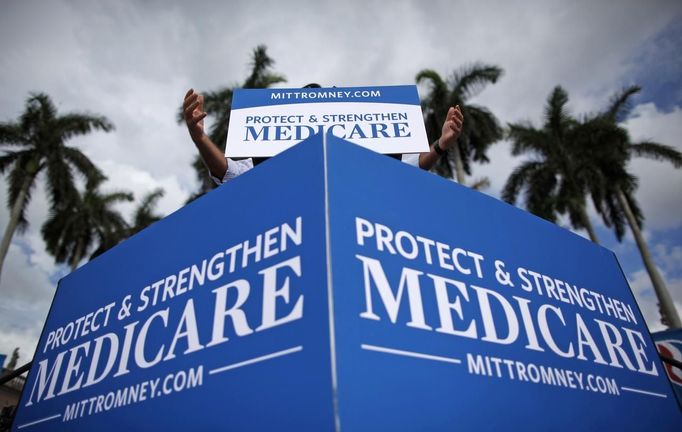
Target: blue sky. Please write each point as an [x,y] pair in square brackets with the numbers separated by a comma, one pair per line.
[657,70]
[133,62]
[660,65]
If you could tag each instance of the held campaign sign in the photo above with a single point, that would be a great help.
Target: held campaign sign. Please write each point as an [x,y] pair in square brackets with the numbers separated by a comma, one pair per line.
[669,344]
[331,301]
[264,122]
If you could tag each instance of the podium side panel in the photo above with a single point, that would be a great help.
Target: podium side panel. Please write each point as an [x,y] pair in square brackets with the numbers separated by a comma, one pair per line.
[455,310]
[240,341]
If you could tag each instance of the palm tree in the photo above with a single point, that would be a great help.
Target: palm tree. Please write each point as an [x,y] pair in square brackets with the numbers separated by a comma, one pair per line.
[38,142]
[556,176]
[218,104]
[84,222]
[610,149]
[481,128]
[144,214]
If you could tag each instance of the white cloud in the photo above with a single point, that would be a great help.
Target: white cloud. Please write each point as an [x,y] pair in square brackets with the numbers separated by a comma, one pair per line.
[133,61]
[142,182]
[659,193]
[647,300]
[26,339]
[669,258]
[26,293]
[29,273]
[669,263]
[660,184]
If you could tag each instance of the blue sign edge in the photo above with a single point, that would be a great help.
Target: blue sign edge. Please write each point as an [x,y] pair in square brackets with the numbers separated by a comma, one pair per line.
[242,178]
[604,250]
[406,94]
[32,369]
[658,356]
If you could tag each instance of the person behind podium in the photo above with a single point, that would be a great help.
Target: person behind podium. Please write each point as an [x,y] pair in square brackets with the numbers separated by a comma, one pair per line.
[222,169]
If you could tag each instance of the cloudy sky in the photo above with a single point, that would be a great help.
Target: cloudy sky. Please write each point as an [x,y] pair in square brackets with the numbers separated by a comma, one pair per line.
[133,61]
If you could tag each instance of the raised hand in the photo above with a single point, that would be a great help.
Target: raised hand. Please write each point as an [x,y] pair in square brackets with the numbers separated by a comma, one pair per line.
[193,112]
[452,128]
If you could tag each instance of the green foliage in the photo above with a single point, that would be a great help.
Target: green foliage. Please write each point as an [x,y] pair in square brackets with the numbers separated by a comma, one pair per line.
[607,149]
[572,159]
[554,180]
[78,222]
[481,128]
[37,143]
[144,214]
[218,104]
[85,222]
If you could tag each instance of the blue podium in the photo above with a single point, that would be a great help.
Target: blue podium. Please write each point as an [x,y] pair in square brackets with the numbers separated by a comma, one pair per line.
[332,288]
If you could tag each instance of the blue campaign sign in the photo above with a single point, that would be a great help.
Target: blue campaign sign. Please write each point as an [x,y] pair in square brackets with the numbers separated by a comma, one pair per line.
[333,288]
[455,310]
[387,119]
[669,344]
[214,318]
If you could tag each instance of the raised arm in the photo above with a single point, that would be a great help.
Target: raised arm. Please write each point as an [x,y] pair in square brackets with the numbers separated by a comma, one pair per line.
[452,128]
[193,112]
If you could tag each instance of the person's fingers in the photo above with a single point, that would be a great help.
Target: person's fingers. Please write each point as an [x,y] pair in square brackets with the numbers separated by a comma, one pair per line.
[190,109]
[187,113]
[197,118]
[452,114]
[189,100]
[189,95]
[455,126]
[458,114]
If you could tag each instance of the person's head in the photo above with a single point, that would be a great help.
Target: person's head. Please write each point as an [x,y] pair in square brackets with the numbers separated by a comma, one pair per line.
[312,85]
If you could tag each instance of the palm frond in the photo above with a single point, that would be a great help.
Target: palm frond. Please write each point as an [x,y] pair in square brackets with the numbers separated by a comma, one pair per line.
[481,130]
[144,214]
[71,125]
[9,159]
[261,76]
[470,80]
[60,181]
[540,194]
[82,163]
[438,92]
[556,115]
[117,197]
[518,179]
[621,104]
[270,79]
[526,139]
[658,152]
[10,134]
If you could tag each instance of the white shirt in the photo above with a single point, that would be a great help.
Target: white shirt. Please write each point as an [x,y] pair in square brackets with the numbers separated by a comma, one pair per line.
[238,167]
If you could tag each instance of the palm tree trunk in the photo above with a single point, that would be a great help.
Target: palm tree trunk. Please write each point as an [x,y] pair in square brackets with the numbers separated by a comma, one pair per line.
[459,166]
[669,314]
[13,221]
[76,257]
